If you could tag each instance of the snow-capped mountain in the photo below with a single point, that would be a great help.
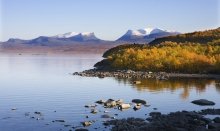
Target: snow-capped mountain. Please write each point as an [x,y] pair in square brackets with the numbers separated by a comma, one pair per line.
[86,36]
[145,35]
[67,38]
[144,32]
[66,35]
[16,40]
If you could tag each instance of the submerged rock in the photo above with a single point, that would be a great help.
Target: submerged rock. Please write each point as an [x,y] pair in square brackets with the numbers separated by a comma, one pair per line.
[203,102]
[66,125]
[38,118]
[105,116]
[13,109]
[59,121]
[81,129]
[139,101]
[94,111]
[6,118]
[106,111]
[38,113]
[101,101]
[27,113]
[89,106]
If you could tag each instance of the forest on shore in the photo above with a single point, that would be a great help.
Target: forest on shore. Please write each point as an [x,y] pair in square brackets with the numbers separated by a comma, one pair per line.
[197,52]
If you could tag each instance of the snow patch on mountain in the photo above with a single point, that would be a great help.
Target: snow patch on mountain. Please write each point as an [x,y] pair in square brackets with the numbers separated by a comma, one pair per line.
[145,31]
[66,35]
[87,34]
[72,34]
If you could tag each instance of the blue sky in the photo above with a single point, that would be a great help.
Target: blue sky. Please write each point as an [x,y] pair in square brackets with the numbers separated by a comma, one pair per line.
[109,19]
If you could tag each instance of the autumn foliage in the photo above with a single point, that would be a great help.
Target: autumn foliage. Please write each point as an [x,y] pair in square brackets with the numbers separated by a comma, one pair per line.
[168,56]
[202,37]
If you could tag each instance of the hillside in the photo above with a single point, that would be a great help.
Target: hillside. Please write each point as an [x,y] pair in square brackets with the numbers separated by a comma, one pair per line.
[189,54]
[202,37]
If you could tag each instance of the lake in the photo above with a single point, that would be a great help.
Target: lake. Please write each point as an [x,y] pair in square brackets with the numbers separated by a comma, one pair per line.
[46,84]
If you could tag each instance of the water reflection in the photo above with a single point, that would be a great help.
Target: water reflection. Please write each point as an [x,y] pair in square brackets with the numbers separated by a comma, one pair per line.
[36,83]
[172,85]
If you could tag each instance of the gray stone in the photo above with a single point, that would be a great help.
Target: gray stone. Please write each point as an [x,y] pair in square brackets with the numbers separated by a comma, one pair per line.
[120,101]
[13,109]
[106,111]
[215,126]
[105,116]
[124,106]
[217,120]
[203,102]
[81,129]
[59,121]
[155,114]
[137,107]
[101,101]
[206,120]
[137,101]
[210,112]
[110,103]
[94,111]
[38,113]
[89,106]
[87,123]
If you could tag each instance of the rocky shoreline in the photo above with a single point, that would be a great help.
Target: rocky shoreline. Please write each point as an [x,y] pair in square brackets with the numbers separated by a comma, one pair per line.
[156,121]
[151,121]
[141,74]
[175,121]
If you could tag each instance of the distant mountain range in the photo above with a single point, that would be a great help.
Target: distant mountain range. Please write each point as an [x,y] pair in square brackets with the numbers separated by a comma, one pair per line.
[142,35]
[60,39]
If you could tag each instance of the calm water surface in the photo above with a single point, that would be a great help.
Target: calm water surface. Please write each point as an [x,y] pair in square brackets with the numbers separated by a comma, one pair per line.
[44,83]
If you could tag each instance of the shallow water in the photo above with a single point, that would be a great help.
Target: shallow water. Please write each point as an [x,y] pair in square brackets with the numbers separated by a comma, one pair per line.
[44,83]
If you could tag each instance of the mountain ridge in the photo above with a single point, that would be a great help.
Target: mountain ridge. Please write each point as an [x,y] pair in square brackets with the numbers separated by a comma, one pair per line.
[145,35]
[141,35]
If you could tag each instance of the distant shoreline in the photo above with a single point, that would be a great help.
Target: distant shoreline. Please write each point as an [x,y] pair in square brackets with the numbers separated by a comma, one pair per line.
[90,48]
[142,74]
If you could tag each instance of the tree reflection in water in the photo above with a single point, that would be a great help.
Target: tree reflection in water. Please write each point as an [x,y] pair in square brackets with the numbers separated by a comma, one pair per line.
[152,85]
